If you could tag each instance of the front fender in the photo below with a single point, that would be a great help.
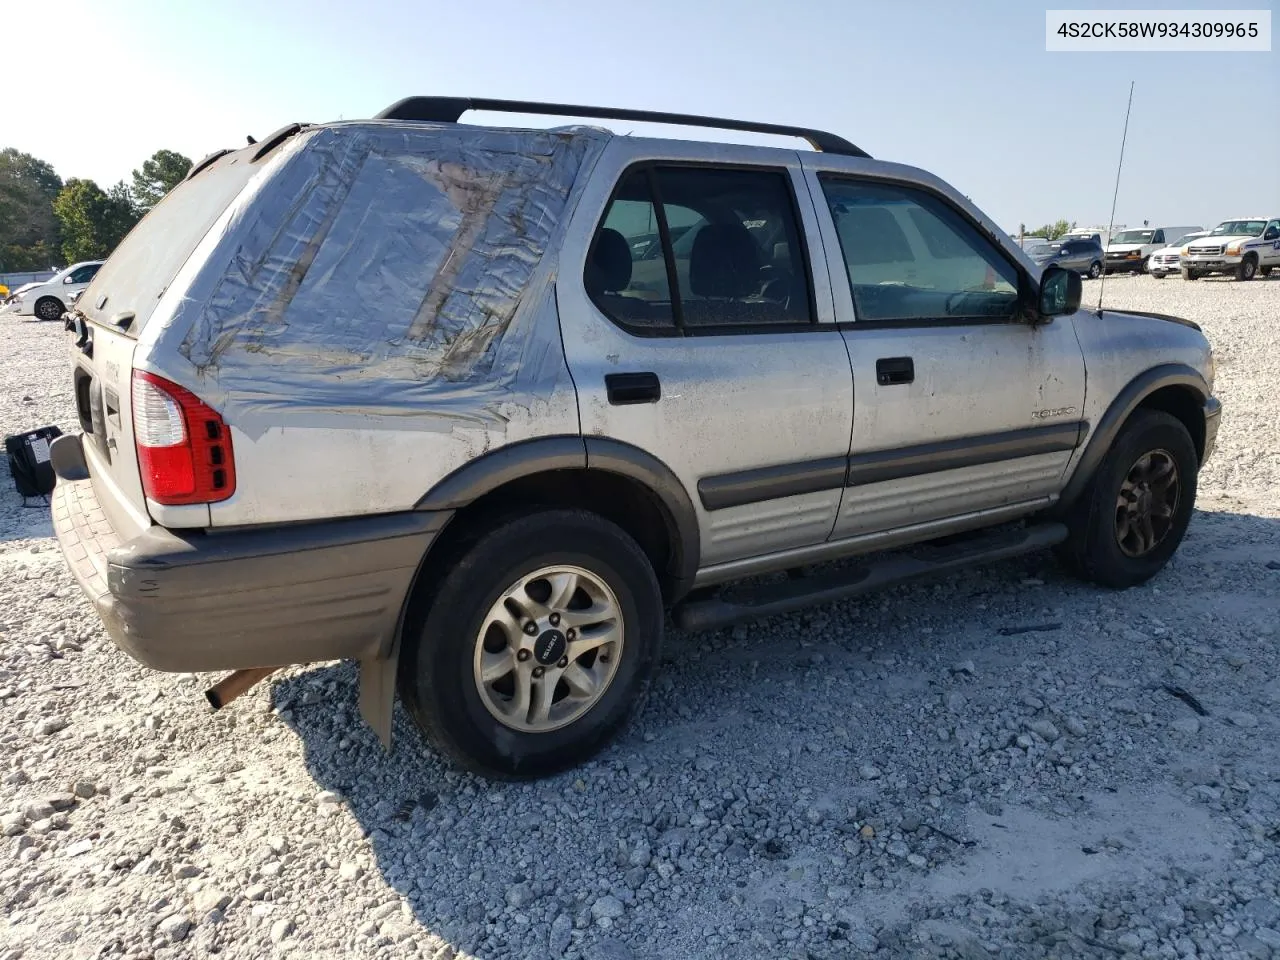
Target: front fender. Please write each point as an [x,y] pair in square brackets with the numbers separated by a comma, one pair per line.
[1129,399]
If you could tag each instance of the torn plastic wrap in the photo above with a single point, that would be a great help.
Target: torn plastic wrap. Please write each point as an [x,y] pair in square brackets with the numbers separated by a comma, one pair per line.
[383,269]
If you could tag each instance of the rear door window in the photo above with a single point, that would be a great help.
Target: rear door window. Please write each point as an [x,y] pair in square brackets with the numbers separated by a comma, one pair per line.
[709,248]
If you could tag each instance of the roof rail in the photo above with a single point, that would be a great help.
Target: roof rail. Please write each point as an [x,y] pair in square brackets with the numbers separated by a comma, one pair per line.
[449,109]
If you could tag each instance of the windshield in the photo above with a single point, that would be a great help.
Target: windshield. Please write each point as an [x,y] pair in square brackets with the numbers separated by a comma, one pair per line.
[1188,238]
[1250,228]
[1133,236]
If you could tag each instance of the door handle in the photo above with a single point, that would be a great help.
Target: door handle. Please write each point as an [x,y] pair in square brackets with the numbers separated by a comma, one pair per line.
[628,388]
[891,370]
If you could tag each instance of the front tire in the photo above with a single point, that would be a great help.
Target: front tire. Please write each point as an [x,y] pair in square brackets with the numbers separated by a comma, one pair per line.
[49,308]
[537,644]
[1095,270]
[1158,276]
[1189,274]
[1135,511]
[1248,268]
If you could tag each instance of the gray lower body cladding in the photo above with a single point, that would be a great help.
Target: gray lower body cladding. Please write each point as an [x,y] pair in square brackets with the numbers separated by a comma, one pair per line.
[183,601]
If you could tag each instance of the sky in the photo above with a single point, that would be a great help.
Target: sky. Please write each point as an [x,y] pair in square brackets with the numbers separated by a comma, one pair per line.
[966,91]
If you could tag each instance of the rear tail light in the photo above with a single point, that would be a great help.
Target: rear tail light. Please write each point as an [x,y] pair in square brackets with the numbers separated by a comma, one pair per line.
[184,448]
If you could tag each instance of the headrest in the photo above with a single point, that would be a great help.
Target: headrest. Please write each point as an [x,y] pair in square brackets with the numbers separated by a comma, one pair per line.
[724,262]
[609,264]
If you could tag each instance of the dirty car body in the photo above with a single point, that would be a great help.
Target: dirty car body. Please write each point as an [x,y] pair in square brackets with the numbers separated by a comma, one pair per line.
[330,364]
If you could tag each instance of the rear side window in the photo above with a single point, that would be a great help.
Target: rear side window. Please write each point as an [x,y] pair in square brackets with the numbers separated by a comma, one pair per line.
[700,248]
[626,272]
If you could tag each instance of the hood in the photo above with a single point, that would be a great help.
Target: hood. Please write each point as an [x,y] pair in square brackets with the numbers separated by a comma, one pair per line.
[1124,247]
[25,287]
[1181,321]
[1224,239]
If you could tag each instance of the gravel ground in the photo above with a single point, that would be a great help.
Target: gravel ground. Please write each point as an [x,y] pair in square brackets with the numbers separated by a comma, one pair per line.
[906,775]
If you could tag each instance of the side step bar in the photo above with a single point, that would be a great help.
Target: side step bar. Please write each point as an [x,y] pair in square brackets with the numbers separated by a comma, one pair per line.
[798,592]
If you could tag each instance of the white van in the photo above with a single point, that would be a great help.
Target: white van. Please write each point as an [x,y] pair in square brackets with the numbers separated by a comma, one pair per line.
[1132,249]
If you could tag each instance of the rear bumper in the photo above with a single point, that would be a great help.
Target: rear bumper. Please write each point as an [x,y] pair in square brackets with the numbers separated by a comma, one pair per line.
[192,601]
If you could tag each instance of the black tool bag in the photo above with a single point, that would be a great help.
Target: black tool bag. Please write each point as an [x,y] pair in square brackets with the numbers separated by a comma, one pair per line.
[29,461]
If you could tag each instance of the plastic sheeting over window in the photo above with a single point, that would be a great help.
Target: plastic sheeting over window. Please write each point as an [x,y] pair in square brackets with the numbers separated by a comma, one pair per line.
[383,267]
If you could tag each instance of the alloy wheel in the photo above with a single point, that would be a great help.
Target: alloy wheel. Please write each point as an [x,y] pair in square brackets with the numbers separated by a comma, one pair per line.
[1147,502]
[548,649]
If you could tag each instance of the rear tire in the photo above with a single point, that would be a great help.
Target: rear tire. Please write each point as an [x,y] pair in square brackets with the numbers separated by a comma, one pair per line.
[1151,467]
[1265,271]
[472,678]
[1248,268]
[49,308]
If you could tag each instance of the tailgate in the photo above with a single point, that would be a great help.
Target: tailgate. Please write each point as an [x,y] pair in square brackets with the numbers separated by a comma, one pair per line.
[112,314]
[103,361]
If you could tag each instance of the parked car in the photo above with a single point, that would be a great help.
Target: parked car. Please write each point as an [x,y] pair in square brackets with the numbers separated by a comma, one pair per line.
[1130,250]
[1082,256]
[1244,247]
[48,300]
[486,468]
[1164,262]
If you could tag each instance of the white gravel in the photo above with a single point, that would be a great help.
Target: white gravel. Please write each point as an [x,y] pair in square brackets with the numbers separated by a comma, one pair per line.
[893,777]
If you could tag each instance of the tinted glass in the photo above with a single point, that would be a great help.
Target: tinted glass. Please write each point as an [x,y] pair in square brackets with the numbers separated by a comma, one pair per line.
[911,257]
[85,274]
[734,242]
[736,246]
[626,275]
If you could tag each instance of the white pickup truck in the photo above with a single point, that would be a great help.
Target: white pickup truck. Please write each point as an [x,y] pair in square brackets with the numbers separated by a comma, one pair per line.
[1245,247]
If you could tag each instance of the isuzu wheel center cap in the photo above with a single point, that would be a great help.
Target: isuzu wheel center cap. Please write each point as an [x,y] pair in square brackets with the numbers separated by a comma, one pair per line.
[550,647]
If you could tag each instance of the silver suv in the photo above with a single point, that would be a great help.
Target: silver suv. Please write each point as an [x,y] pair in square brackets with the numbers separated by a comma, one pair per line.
[479,406]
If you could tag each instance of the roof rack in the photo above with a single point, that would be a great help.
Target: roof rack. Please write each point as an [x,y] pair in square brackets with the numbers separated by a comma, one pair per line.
[449,109]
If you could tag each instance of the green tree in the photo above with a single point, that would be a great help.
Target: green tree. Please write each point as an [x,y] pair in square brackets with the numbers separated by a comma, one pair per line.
[28,227]
[1052,231]
[93,221]
[158,176]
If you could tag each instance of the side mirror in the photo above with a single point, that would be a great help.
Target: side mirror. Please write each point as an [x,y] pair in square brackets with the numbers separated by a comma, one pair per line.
[1060,292]
[1271,234]
[68,280]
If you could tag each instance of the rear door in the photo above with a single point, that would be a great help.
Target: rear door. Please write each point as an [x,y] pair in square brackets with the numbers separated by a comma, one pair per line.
[697,329]
[960,410]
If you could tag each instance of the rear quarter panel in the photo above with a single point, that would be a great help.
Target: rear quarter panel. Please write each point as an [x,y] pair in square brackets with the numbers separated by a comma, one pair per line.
[378,314]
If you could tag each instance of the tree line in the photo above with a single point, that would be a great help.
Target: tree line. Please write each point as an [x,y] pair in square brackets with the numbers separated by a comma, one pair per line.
[45,222]
[1050,231]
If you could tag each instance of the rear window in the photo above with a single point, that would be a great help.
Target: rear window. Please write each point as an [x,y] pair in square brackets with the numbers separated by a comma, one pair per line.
[147,260]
